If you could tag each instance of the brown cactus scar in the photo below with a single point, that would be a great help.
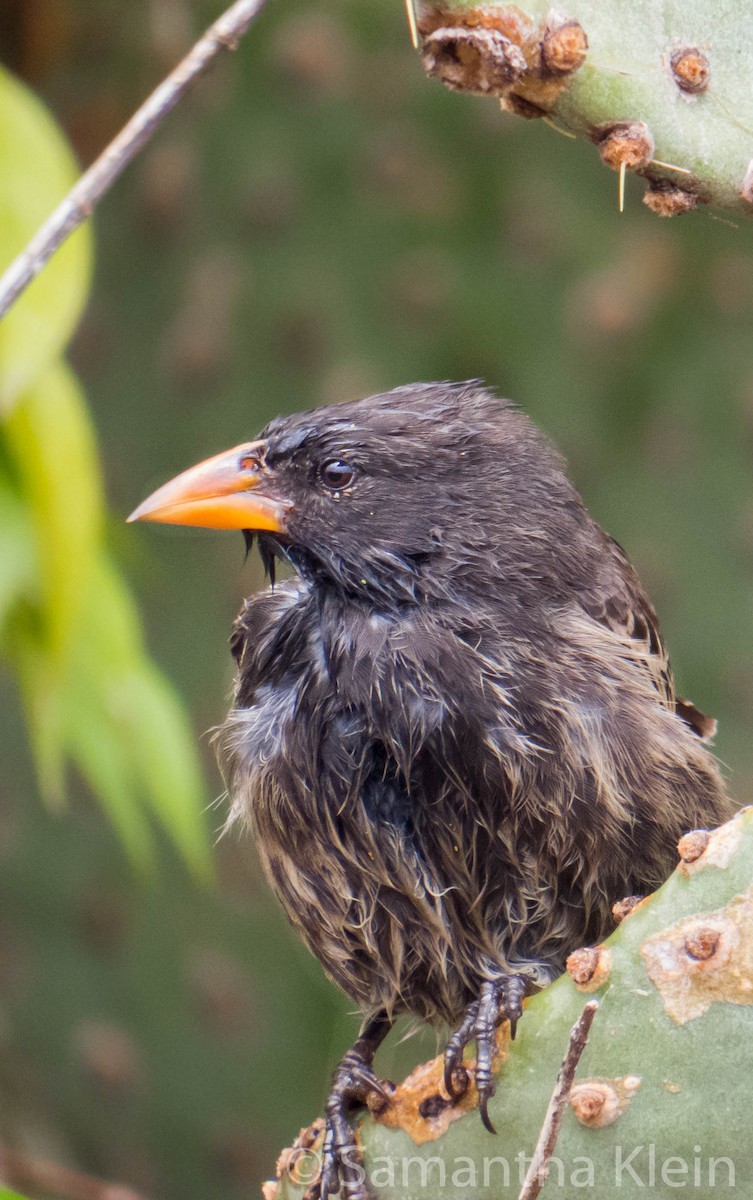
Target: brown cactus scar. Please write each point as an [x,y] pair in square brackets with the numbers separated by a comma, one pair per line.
[625,143]
[691,70]
[717,851]
[599,1102]
[589,967]
[420,1105]
[692,845]
[288,1160]
[668,200]
[482,61]
[704,960]
[563,46]
[624,908]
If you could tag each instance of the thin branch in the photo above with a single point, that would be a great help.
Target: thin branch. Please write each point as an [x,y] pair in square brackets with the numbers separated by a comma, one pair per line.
[411,14]
[18,1171]
[83,198]
[538,1171]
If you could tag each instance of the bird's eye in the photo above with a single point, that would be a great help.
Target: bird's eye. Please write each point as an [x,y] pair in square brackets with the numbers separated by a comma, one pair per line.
[337,474]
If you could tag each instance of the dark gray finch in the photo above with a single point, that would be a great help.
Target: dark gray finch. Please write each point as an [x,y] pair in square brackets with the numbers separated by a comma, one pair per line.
[455,733]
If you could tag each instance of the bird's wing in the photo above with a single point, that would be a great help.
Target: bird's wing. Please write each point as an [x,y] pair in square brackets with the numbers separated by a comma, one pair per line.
[259,631]
[621,604]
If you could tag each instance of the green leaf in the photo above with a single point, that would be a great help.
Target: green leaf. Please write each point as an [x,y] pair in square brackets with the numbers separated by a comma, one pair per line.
[161,743]
[97,743]
[59,479]
[17,561]
[43,700]
[6,1195]
[142,714]
[118,720]
[36,171]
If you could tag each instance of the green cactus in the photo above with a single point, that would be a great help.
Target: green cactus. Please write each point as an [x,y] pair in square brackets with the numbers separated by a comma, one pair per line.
[661,89]
[662,1096]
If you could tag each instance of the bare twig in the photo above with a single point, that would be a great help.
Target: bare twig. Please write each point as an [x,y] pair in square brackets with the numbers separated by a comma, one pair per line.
[411,14]
[83,198]
[538,1171]
[16,1170]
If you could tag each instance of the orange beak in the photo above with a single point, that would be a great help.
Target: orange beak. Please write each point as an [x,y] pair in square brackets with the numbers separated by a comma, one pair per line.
[223,492]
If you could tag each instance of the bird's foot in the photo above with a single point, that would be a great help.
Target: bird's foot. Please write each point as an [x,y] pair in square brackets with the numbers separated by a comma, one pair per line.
[499,1000]
[354,1084]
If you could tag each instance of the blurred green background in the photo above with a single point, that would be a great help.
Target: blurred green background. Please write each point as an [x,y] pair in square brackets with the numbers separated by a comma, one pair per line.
[319,221]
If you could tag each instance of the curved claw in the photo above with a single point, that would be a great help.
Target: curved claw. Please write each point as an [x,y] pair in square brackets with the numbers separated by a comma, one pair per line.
[499,999]
[487,1019]
[453,1055]
[451,1064]
[483,1112]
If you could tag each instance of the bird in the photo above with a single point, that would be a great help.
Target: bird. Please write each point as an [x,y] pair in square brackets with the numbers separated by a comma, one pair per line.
[455,733]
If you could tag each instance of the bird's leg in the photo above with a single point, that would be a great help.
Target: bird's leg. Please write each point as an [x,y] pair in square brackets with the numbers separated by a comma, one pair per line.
[353,1083]
[500,999]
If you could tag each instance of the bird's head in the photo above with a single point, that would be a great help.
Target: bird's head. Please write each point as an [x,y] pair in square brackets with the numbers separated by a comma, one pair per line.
[410,493]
